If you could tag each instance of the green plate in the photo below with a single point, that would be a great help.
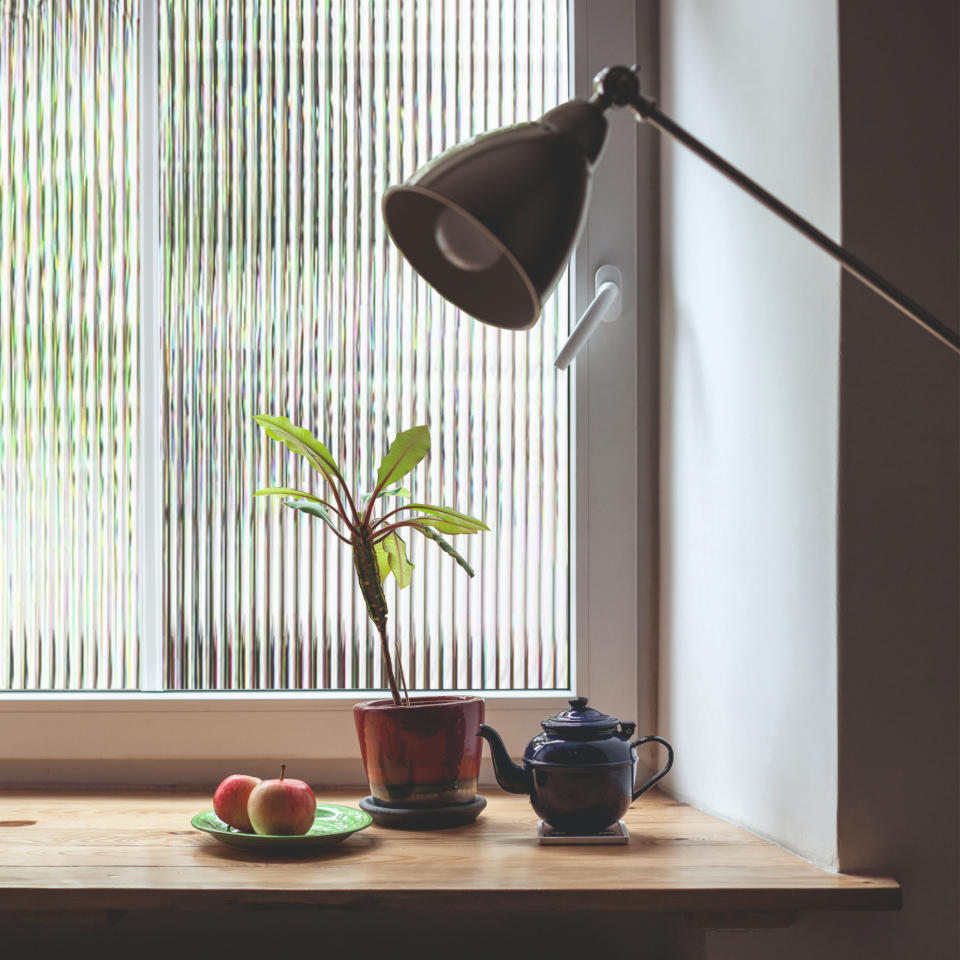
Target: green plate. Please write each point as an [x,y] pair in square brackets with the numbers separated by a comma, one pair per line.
[332,824]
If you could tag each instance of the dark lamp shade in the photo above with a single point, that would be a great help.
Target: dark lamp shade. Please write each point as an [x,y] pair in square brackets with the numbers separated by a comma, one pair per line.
[491,223]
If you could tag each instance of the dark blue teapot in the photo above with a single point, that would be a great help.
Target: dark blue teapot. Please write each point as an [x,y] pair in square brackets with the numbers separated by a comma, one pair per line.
[580,772]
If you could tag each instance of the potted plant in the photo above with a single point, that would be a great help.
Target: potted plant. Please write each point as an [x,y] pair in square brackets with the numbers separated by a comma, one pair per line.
[421,754]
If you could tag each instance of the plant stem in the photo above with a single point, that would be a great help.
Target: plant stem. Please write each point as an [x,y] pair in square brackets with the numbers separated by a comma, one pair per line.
[368,576]
[400,676]
[390,513]
[333,480]
[341,517]
[388,666]
[336,496]
[353,506]
[381,533]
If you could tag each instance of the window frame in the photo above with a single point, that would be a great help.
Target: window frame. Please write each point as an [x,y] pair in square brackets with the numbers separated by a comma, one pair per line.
[129,736]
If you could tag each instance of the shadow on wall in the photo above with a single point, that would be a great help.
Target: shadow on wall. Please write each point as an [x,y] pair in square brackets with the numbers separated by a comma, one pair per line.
[898,529]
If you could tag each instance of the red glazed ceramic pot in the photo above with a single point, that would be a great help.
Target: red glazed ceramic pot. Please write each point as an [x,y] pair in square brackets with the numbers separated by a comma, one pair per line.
[427,754]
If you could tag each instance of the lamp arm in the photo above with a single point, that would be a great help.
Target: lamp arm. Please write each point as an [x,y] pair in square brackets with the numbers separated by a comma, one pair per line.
[648,111]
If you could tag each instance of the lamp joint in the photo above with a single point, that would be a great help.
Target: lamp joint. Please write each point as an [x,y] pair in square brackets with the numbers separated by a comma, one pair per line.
[616,86]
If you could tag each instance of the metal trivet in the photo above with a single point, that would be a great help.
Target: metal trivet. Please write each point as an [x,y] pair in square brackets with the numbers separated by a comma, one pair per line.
[617,833]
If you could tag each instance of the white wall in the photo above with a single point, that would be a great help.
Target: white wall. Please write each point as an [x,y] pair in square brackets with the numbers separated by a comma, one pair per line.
[749,419]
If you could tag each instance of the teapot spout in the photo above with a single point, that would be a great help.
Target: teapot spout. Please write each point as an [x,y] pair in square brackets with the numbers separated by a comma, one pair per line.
[511,778]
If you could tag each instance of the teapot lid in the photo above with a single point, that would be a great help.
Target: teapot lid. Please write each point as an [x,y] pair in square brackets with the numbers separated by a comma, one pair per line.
[580,718]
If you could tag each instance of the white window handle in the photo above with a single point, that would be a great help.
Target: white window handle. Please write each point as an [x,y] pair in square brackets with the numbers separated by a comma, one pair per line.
[604,306]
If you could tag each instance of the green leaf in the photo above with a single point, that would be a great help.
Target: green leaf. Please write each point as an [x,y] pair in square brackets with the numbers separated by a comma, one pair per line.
[314,510]
[396,551]
[301,441]
[383,562]
[406,451]
[447,520]
[445,547]
[286,492]
[395,492]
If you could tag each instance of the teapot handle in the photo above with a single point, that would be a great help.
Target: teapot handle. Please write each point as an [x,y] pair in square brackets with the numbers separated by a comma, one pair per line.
[663,770]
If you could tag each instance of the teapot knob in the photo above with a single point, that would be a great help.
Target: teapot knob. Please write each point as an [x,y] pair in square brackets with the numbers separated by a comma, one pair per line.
[578,703]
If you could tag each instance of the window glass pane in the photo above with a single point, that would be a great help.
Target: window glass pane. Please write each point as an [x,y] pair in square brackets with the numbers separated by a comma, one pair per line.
[68,344]
[281,125]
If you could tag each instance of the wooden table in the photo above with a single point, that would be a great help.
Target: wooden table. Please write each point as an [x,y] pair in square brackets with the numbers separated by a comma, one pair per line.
[136,851]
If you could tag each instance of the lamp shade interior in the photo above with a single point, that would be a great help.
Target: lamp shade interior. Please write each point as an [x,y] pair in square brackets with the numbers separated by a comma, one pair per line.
[460,258]
[491,223]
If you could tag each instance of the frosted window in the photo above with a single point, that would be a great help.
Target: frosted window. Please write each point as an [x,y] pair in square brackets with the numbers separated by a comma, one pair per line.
[68,344]
[280,127]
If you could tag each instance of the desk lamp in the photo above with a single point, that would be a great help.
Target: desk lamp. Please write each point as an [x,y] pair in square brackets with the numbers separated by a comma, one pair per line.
[491,222]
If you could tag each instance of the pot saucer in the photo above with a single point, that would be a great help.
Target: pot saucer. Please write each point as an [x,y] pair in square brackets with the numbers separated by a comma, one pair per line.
[423,818]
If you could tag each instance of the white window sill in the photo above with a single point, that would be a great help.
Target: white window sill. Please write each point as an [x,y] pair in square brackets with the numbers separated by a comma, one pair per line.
[182,738]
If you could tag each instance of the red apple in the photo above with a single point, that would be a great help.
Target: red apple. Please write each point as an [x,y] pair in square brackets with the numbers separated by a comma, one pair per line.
[230,801]
[282,807]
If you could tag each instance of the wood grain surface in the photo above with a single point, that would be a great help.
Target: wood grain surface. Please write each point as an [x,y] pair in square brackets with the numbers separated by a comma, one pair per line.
[137,851]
